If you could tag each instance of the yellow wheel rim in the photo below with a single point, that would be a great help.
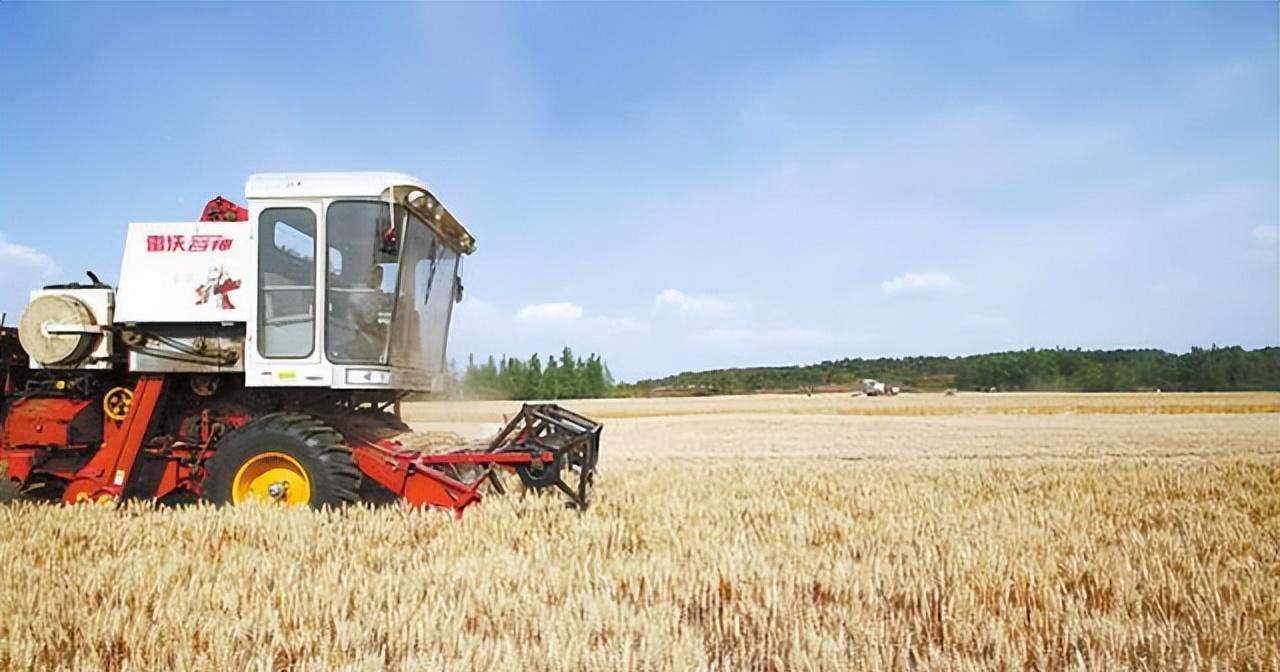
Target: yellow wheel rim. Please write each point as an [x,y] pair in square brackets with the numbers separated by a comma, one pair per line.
[271,477]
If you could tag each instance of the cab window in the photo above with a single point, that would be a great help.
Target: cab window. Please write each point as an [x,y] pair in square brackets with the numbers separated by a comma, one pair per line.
[286,282]
[364,256]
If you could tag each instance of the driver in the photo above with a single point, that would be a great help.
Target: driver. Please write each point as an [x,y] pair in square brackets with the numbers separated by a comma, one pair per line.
[366,306]
[366,334]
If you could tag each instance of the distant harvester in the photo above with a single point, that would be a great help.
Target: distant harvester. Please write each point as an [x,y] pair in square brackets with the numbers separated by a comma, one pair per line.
[874,388]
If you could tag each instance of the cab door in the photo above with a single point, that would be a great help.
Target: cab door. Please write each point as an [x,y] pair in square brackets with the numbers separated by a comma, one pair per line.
[283,344]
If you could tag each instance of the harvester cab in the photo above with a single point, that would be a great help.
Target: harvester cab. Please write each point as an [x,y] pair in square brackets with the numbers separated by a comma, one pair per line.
[341,280]
[261,353]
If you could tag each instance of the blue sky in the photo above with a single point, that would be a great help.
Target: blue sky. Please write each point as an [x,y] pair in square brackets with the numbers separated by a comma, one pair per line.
[688,186]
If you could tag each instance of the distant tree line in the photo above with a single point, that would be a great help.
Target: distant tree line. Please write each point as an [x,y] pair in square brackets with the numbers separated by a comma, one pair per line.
[1212,369]
[563,377]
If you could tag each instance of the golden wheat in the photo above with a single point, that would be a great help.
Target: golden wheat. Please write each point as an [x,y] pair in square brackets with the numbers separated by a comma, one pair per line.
[966,542]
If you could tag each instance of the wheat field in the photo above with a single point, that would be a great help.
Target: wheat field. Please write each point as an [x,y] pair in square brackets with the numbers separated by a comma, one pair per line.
[1042,532]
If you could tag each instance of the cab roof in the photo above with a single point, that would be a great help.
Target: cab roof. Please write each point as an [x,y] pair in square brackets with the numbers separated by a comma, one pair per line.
[401,188]
[324,185]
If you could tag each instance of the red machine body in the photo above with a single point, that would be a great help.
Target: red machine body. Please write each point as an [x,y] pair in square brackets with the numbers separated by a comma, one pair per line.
[41,421]
[55,438]
[219,209]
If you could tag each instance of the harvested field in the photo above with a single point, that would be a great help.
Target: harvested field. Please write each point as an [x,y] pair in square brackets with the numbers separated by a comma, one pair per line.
[779,533]
[964,403]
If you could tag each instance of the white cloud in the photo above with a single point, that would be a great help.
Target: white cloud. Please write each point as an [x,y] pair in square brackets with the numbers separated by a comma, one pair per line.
[692,305]
[919,283]
[22,269]
[560,311]
[721,336]
[22,261]
[1264,234]
[477,314]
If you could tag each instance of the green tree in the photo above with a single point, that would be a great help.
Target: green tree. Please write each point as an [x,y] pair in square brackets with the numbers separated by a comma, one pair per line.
[532,384]
[570,381]
[550,388]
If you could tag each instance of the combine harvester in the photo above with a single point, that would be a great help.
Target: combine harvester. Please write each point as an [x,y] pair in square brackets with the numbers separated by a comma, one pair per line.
[261,353]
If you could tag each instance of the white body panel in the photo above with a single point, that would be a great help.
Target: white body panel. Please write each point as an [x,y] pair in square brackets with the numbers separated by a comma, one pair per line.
[186,272]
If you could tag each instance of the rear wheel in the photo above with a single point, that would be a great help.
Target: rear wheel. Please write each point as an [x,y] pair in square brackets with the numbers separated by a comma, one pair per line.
[284,458]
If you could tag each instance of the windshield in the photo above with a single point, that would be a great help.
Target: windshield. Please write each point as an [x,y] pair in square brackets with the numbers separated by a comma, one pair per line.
[391,287]
[364,254]
[424,302]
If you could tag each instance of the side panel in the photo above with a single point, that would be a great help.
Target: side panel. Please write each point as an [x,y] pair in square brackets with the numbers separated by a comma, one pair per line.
[358,377]
[186,272]
[53,421]
[187,348]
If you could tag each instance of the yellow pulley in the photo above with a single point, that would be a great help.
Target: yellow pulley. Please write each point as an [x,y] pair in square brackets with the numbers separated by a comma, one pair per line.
[116,403]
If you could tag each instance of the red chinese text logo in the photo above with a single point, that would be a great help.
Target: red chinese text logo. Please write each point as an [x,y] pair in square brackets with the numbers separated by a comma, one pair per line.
[183,243]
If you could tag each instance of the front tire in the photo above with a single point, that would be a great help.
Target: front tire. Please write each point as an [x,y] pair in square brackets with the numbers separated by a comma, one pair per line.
[285,458]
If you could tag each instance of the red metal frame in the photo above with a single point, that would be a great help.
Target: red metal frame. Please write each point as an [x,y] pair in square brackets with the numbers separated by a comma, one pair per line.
[107,473]
[184,470]
[539,435]
[417,478]
[219,209]
[400,472]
